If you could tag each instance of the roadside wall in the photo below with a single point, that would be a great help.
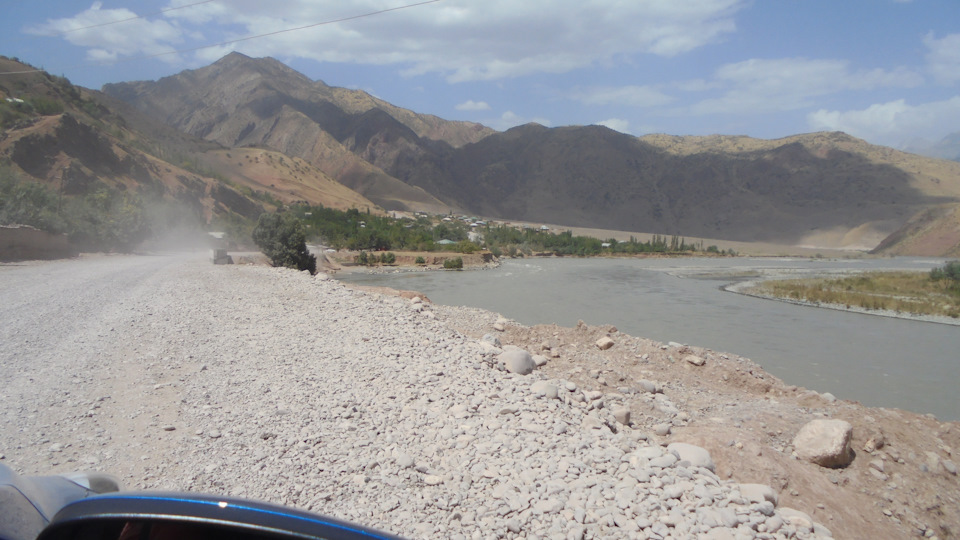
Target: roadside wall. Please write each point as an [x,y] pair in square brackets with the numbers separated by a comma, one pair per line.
[21,242]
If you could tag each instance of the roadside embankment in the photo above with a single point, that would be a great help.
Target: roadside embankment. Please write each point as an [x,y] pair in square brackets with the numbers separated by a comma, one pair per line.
[432,421]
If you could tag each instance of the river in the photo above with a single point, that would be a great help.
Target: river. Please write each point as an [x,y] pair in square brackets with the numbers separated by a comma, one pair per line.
[879,361]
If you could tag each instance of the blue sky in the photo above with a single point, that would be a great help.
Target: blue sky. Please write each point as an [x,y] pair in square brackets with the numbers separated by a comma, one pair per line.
[884,70]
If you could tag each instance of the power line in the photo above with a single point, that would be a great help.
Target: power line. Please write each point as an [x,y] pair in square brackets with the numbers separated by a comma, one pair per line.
[232,41]
[161,12]
[247,38]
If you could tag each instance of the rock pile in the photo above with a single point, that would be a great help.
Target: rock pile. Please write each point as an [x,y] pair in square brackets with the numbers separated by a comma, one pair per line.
[372,410]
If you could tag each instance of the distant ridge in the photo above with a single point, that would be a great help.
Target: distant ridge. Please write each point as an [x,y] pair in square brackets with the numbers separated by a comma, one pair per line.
[818,189]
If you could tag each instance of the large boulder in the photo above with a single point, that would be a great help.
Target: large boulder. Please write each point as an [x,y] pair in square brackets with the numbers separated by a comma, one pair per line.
[518,361]
[825,442]
[697,456]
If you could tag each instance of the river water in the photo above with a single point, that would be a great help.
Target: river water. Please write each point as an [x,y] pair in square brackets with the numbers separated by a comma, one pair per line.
[879,361]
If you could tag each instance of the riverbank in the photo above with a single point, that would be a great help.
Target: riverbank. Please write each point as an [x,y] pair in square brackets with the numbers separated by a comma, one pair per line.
[756,289]
[344,261]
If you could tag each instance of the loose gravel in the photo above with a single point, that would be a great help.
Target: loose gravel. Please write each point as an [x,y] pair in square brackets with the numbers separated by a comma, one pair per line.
[275,385]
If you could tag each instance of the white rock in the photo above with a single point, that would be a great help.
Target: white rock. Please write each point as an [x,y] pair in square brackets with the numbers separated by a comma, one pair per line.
[695,360]
[518,361]
[546,389]
[604,343]
[697,456]
[825,442]
[757,493]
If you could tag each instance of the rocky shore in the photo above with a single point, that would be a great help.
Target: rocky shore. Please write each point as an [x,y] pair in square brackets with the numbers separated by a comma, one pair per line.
[444,422]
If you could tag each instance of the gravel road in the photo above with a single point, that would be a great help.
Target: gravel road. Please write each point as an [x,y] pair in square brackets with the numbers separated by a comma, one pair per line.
[172,373]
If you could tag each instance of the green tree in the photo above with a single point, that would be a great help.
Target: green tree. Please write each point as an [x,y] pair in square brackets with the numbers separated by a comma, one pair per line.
[281,238]
[453,264]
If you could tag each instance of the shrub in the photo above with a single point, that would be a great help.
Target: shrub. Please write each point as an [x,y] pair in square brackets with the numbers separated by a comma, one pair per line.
[453,264]
[388,258]
[468,247]
[420,260]
[362,259]
[950,271]
[281,238]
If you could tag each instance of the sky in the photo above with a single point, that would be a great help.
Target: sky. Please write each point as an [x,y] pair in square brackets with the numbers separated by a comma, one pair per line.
[887,71]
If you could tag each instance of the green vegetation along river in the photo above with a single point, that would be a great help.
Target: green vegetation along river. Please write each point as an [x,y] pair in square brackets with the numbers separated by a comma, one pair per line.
[879,361]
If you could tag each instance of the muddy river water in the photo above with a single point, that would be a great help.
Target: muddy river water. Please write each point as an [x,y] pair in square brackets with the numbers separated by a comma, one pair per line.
[879,361]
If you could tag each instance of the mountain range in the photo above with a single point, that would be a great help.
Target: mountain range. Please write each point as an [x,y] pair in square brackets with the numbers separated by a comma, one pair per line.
[259,129]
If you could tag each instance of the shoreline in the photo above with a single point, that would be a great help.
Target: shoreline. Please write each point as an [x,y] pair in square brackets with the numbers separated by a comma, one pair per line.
[741,286]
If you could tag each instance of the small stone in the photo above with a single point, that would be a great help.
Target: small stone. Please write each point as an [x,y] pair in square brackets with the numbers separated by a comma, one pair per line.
[492,340]
[649,387]
[757,493]
[546,389]
[604,343]
[766,508]
[729,518]
[695,360]
[499,327]
[540,360]
[432,480]
[404,460]
[213,434]
[169,428]
[662,430]
[622,415]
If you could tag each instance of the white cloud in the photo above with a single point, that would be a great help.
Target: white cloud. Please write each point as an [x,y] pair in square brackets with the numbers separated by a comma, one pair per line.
[471,105]
[894,122]
[763,86]
[616,124]
[462,41]
[634,96]
[108,42]
[943,57]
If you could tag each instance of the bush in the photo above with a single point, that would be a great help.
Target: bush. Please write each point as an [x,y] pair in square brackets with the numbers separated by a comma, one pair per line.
[281,238]
[453,264]
[420,260]
[362,259]
[388,258]
[950,271]
[467,247]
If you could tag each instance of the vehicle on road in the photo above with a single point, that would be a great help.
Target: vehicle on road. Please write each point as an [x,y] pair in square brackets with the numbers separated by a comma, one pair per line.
[90,506]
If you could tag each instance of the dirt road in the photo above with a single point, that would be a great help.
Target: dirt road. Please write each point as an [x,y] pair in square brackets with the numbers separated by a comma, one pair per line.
[173,373]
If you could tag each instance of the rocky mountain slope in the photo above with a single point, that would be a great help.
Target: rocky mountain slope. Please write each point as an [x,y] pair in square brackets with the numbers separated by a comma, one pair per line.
[934,232]
[946,148]
[76,141]
[241,101]
[824,188]
[821,189]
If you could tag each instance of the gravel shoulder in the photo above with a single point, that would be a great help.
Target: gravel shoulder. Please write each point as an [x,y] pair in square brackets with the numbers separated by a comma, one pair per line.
[173,373]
